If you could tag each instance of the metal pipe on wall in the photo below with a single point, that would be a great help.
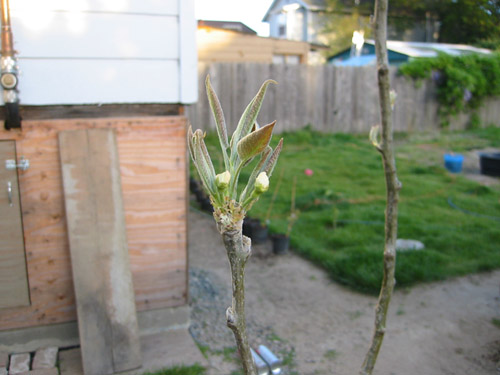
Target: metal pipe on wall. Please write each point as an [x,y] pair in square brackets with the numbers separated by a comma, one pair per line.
[9,70]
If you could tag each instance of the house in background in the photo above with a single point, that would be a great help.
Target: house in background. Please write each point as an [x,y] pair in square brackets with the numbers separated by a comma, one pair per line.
[305,20]
[226,41]
[296,20]
[102,91]
[400,52]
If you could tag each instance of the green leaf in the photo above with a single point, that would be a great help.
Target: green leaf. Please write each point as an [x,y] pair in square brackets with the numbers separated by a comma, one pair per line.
[248,118]
[218,114]
[203,162]
[190,142]
[273,159]
[254,143]
[258,168]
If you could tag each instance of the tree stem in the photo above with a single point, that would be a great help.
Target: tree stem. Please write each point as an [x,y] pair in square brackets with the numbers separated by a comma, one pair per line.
[392,187]
[238,252]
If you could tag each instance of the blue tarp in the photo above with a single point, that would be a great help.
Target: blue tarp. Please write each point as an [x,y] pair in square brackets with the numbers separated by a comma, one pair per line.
[357,61]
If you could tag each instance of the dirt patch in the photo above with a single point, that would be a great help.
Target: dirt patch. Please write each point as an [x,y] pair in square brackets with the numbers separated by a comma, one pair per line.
[320,327]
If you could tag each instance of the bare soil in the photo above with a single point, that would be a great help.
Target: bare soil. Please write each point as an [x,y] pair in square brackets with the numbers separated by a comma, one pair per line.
[319,327]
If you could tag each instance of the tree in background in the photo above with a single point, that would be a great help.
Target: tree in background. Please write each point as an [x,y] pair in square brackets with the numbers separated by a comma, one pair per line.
[475,22]
[461,21]
[342,19]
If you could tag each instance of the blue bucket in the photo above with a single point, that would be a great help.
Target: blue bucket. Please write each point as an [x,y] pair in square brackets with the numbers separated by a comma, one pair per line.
[453,162]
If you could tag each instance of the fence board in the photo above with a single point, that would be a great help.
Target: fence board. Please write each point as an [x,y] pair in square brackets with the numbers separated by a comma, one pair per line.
[331,99]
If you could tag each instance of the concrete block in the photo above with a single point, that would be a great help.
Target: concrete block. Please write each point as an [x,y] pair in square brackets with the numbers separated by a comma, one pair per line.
[4,359]
[70,362]
[3,371]
[42,371]
[45,358]
[19,363]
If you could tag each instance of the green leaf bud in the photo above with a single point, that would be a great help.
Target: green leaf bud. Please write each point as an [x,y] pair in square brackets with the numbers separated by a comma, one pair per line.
[255,142]
[261,183]
[222,180]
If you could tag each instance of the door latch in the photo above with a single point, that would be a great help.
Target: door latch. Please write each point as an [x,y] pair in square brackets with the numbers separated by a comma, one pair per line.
[24,164]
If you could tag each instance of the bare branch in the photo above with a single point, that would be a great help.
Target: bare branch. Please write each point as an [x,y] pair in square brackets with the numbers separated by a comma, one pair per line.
[238,252]
[393,186]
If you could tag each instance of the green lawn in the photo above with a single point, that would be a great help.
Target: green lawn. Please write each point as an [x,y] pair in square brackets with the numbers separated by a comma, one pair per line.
[342,204]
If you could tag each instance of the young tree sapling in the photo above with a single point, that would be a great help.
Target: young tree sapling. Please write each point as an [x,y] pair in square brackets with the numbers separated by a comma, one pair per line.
[248,141]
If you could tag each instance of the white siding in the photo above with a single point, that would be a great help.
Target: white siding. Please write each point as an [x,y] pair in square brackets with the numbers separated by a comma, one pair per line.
[100,36]
[116,6]
[188,56]
[105,51]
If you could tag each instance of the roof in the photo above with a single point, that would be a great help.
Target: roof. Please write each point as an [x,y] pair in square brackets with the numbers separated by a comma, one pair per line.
[308,4]
[227,25]
[423,49]
[420,49]
[318,4]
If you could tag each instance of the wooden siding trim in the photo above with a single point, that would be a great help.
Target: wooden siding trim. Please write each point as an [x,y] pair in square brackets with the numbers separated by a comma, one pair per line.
[53,112]
[153,171]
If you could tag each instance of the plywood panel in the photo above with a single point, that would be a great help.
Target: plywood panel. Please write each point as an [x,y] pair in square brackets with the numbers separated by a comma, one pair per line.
[150,148]
[107,321]
[13,277]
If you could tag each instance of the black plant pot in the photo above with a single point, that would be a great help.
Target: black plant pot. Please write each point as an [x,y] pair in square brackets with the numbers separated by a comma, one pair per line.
[280,243]
[200,195]
[255,230]
[206,205]
[193,184]
[490,164]
[247,227]
[196,191]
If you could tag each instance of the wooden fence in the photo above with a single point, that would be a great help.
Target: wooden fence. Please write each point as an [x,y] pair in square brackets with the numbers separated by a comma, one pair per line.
[329,98]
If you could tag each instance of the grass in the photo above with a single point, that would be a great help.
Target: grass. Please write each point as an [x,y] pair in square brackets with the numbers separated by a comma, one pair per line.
[331,354]
[342,204]
[180,370]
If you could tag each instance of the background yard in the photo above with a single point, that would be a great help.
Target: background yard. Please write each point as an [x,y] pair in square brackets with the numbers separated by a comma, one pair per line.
[341,205]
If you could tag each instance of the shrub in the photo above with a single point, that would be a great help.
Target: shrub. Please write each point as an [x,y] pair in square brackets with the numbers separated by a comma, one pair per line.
[463,82]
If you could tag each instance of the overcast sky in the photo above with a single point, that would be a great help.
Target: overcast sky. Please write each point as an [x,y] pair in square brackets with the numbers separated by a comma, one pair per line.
[250,12]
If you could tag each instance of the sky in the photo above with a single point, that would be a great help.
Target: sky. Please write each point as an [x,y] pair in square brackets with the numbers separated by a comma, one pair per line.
[249,12]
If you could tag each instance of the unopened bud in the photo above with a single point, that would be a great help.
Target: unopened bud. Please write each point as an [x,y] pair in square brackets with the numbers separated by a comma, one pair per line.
[222,180]
[393,96]
[262,183]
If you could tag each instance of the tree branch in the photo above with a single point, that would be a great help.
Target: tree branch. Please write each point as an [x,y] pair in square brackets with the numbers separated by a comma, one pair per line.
[393,186]
[238,252]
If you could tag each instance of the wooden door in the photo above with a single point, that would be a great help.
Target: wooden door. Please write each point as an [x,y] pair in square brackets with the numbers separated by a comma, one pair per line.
[14,291]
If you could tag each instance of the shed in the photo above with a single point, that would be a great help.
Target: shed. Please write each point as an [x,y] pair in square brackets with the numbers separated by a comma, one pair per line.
[222,41]
[103,84]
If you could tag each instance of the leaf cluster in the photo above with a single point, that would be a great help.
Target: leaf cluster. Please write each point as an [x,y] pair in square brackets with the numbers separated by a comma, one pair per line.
[463,82]
[248,141]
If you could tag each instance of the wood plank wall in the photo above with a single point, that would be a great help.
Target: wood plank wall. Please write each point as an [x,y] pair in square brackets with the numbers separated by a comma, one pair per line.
[329,98]
[153,173]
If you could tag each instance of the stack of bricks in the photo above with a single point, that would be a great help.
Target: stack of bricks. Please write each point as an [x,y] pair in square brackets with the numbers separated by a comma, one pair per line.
[44,363]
